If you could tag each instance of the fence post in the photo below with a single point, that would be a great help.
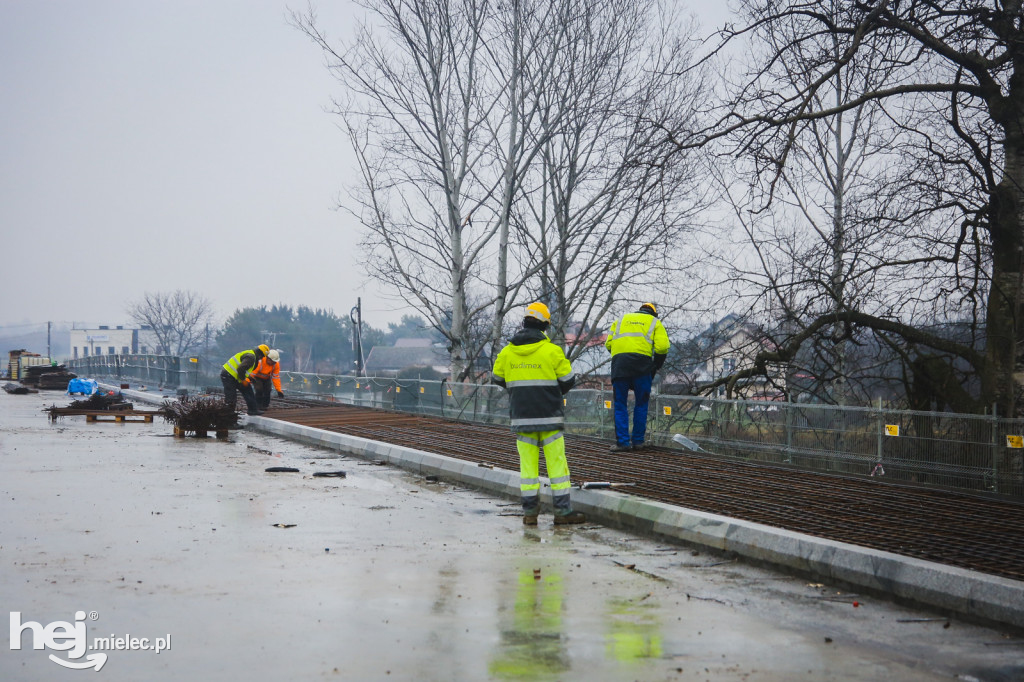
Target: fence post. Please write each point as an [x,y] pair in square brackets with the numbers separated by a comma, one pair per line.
[173,379]
[995,449]
[789,432]
[603,410]
[881,430]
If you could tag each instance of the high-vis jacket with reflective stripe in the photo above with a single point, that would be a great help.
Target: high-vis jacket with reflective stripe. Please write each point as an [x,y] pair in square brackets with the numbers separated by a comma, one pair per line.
[265,369]
[240,365]
[638,343]
[536,374]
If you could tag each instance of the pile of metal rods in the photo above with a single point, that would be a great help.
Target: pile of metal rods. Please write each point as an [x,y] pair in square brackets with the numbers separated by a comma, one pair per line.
[200,414]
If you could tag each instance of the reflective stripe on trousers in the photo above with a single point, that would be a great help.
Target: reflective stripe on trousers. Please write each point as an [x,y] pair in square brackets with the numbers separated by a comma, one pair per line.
[529,445]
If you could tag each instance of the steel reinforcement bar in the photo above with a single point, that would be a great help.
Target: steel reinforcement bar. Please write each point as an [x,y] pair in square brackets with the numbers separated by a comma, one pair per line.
[978,533]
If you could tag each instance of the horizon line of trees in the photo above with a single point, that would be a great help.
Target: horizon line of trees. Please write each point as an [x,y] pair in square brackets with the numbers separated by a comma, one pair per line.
[310,339]
[315,340]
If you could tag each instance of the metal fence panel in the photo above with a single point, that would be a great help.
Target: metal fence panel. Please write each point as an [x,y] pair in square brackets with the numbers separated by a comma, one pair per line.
[978,453]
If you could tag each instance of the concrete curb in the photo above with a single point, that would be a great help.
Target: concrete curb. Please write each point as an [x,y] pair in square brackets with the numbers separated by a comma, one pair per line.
[968,593]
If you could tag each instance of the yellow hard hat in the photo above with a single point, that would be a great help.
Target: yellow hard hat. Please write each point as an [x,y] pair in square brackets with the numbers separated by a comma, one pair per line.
[538,311]
[264,347]
[654,310]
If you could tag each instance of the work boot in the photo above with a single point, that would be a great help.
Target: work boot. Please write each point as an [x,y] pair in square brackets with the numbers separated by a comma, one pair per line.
[571,517]
[639,446]
[530,520]
[620,448]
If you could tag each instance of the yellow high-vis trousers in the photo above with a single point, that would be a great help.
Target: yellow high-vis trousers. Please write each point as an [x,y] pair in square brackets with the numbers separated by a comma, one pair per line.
[529,445]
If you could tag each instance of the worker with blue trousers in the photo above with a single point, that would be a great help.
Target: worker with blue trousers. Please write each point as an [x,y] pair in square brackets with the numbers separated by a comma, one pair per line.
[639,344]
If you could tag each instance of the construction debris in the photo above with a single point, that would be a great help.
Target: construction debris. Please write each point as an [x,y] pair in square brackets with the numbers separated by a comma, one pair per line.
[602,485]
[17,389]
[47,377]
[103,401]
[97,403]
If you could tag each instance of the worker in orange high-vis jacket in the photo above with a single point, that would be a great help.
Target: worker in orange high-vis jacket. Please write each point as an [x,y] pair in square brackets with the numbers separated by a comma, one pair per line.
[267,370]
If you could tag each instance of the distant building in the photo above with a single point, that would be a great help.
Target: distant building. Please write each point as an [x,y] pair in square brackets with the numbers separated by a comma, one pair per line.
[106,340]
[417,352]
[408,352]
[594,363]
[725,347]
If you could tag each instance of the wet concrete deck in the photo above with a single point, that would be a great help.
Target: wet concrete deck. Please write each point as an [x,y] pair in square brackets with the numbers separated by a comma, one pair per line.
[386,576]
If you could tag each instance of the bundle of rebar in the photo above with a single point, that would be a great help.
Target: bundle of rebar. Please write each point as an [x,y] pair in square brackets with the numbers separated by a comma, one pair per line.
[200,414]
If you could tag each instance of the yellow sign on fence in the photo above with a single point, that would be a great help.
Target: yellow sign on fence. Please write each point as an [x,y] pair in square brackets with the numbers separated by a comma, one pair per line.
[1016,442]
[421,389]
[892,429]
[449,393]
[667,410]
[607,404]
[398,389]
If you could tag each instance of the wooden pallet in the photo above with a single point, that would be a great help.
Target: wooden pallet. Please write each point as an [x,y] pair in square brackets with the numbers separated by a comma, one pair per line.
[116,416]
[119,417]
[182,433]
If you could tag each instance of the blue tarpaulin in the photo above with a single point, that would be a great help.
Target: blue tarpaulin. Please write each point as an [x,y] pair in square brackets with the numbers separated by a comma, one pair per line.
[83,386]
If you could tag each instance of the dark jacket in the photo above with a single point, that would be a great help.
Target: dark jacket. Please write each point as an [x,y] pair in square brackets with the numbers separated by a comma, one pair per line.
[536,374]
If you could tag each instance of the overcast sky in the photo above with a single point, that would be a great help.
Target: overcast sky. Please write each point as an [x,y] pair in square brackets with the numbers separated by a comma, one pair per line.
[154,145]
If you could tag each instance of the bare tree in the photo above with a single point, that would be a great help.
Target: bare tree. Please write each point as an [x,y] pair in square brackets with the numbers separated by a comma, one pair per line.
[609,213]
[813,233]
[505,151]
[954,194]
[179,319]
[433,94]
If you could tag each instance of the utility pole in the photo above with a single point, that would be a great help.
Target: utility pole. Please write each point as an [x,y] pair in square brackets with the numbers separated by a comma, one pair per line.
[356,316]
[49,356]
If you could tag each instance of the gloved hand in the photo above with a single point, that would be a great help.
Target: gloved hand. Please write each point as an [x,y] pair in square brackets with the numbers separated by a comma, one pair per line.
[280,394]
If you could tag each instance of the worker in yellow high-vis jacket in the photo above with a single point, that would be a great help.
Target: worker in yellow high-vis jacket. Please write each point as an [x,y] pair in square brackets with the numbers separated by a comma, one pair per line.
[537,374]
[234,376]
[639,344]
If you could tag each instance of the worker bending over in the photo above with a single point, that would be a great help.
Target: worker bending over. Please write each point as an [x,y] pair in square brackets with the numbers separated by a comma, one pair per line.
[235,378]
[267,370]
